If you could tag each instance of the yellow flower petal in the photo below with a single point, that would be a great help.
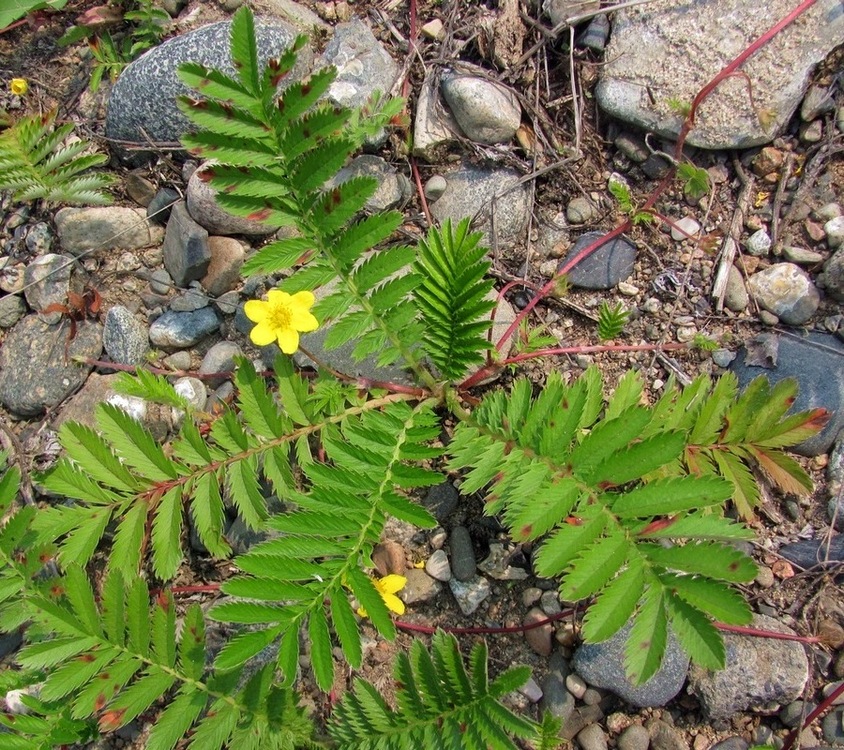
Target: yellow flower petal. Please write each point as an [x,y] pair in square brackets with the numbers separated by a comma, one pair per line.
[262,334]
[19,86]
[277,297]
[391,584]
[288,340]
[394,604]
[255,310]
[303,321]
[303,299]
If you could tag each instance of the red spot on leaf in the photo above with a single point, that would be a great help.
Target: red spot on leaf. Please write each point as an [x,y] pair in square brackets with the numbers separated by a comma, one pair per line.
[112,720]
[526,531]
[57,590]
[86,658]
[99,702]
[306,88]
[206,175]
[574,521]
[261,215]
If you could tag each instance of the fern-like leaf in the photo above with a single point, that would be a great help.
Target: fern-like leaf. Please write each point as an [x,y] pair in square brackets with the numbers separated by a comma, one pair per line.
[35,164]
[452,298]
[441,705]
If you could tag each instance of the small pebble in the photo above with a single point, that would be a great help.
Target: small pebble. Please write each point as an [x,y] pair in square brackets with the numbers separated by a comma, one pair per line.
[531,596]
[685,226]
[635,737]
[550,603]
[580,210]
[576,686]
[437,566]
[765,577]
[539,638]
[592,697]
[627,289]
[759,243]
[435,187]
[834,230]
[592,737]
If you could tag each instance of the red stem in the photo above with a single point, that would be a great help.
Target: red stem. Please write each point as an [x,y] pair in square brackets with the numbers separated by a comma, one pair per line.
[731,67]
[688,124]
[824,705]
[772,634]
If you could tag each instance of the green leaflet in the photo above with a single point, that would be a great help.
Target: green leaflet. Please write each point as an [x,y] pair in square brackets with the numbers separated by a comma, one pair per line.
[440,701]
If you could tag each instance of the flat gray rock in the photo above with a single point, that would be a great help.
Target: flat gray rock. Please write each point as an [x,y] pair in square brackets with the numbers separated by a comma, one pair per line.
[606,267]
[105,228]
[485,111]
[142,105]
[47,282]
[482,193]
[816,360]
[669,49]
[602,666]
[34,374]
[761,674]
[179,330]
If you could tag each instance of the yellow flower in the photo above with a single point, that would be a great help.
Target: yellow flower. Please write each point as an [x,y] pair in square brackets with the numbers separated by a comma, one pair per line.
[281,318]
[388,587]
[19,86]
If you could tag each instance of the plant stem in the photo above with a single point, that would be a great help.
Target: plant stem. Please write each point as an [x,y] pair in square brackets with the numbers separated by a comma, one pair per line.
[687,126]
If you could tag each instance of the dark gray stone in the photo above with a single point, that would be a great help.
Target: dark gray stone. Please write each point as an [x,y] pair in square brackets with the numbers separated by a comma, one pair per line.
[604,268]
[125,337]
[761,674]
[602,665]
[175,330]
[810,553]
[188,301]
[34,373]
[792,714]
[816,360]
[463,563]
[475,192]
[556,699]
[441,500]
[186,253]
[161,204]
[10,642]
[142,104]
[833,727]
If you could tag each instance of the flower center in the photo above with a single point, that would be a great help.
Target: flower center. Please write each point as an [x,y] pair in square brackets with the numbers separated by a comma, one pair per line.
[279,316]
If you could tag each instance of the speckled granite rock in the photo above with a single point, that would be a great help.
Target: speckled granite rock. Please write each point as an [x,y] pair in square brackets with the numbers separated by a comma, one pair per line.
[761,674]
[637,85]
[143,100]
[34,374]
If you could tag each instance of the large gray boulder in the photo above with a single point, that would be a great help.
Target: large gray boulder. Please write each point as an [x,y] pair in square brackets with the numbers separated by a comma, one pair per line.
[668,50]
[142,107]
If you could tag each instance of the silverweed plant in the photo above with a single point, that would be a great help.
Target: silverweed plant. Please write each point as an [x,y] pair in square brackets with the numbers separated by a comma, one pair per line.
[625,502]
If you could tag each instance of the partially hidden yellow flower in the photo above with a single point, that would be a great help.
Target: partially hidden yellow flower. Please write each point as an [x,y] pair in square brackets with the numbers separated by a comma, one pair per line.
[281,318]
[388,587]
[19,86]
